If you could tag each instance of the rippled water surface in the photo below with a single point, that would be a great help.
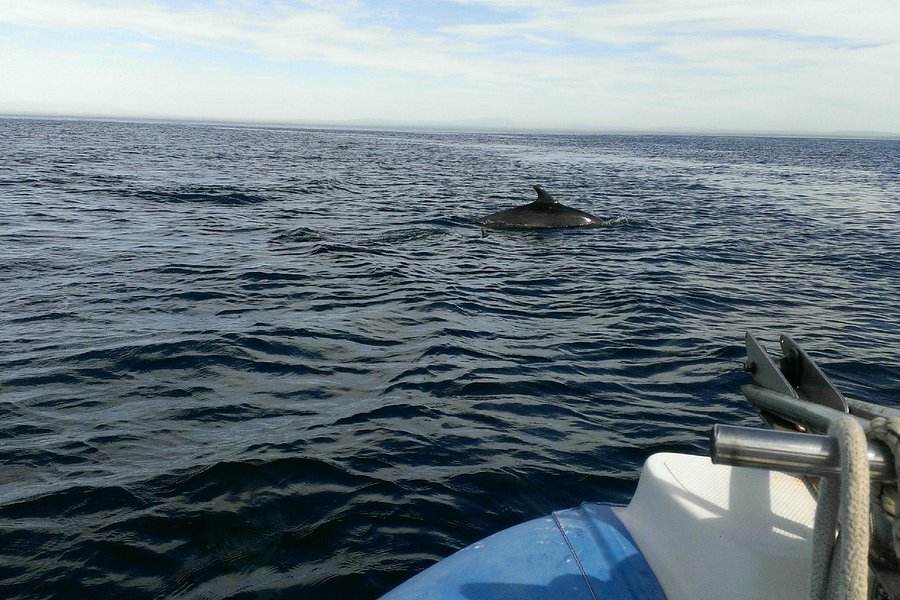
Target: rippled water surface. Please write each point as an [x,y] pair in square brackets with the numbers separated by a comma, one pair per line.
[275,363]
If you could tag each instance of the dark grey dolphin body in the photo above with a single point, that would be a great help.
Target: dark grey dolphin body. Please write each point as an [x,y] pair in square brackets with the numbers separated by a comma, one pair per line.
[546,211]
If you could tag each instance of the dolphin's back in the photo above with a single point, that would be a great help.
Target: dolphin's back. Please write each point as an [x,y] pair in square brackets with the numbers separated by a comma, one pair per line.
[546,211]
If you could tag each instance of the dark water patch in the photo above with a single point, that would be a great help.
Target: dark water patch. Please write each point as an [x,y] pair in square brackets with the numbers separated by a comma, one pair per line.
[263,277]
[72,501]
[404,235]
[524,387]
[200,194]
[227,481]
[225,414]
[20,430]
[335,248]
[199,296]
[49,316]
[450,221]
[46,378]
[270,346]
[396,411]
[189,269]
[321,186]
[188,355]
[454,352]
[299,236]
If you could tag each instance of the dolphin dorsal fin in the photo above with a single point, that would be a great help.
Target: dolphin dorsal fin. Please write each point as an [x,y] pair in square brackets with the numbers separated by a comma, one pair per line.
[544,196]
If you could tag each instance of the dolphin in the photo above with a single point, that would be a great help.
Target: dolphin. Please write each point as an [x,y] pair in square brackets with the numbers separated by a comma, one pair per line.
[546,211]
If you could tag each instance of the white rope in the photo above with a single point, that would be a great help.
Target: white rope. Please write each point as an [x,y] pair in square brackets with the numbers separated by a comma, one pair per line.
[840,567]
[887,431]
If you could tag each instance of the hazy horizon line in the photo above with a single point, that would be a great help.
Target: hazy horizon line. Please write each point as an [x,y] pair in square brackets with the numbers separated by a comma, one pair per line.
[483,125]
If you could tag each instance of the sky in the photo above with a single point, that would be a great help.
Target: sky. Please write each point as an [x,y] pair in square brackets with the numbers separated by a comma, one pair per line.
[765,66]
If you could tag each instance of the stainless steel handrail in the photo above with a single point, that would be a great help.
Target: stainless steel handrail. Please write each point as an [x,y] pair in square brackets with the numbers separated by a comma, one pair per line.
[790,452]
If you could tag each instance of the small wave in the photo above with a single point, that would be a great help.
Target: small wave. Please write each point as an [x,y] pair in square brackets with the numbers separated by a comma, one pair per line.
[543,230]
[390,411]
[405,235]
[213,195]
[366,244]
[320,186]
[618,222]
[336,248]
[230,413]
[228,352]
[49,316]
[299,235]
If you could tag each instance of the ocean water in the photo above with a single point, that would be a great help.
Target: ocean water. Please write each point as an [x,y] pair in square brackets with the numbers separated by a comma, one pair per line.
[246,362]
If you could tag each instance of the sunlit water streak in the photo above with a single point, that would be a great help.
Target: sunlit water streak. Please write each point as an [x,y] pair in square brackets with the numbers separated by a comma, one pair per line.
[259,362]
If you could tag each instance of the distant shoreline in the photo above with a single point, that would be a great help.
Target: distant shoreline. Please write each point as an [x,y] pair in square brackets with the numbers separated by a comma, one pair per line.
[462,127]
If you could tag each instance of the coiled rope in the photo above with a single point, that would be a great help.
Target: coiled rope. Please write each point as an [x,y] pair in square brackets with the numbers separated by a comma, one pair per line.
[887,431]
[840,567]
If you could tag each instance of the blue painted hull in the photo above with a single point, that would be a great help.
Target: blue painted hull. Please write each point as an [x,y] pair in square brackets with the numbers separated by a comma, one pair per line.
[581,553]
